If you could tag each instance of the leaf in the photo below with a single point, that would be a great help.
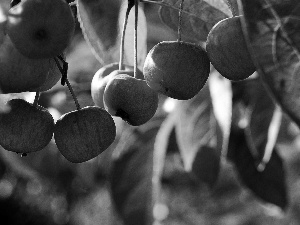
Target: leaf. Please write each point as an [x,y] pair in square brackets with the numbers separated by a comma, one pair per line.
[4,7]
[221,95]
[206,165]
[164,141]
[269,184]
[198,17]
[262,119]
[129,37]
[195,126]
[131,175]
[102,21]
[272,31]
[99,21]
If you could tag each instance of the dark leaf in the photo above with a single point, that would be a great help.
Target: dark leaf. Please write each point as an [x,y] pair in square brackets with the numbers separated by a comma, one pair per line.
[102,21]
[206,165]
[272,31]
[99,20]
[131,176]
[261,121]
[196,126]
[198,17]
[269,184]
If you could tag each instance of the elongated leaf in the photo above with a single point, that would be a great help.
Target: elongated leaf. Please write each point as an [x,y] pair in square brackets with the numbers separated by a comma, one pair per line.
[195,126]
[163,142]
[198,17]
[272,31]
[221,95]
[4,7]
[102,23]
[129,37]
[269,184]
[262,118]
[131,175]
[99,20]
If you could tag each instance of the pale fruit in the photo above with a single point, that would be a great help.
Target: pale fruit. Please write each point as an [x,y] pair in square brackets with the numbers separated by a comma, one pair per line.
[83,134]
[41,28]
[19,73]
[25,128]
[227,50]
[103,75]
[130,98]
[176,69]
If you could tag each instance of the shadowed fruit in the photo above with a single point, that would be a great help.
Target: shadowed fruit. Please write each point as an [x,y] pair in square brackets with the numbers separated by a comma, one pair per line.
[176,69]
[24,127]
[19,73]
[41,28]
[130,98]
[227,50]
[83,134]
[103,75]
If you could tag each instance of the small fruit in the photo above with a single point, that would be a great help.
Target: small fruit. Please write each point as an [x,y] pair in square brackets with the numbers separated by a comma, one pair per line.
[24,127]
[130,98]
[41,28]
[83,134]
[103,75]
[19,73]
[176,69]
[227,50]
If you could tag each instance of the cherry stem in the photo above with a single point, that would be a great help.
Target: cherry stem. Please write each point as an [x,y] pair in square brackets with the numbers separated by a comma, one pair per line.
[180,20]
[64,71]
[73,94]
[121,62]
[136,15]
[36,98]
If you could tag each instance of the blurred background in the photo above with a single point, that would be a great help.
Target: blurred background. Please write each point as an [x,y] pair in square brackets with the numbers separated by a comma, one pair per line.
[44,188]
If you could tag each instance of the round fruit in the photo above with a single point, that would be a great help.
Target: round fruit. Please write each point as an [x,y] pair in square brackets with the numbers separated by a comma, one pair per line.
[83,134]
[103,75]
[227,50]
[19,73]
[130,98]
[24,127]
[176,69]
[41,28]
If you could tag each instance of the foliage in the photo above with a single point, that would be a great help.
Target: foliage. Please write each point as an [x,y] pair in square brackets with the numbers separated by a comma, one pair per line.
[227,156]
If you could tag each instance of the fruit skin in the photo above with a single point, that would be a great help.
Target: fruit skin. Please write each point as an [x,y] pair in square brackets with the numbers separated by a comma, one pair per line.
[227,50]
[41,28]
[83,134]
[20,74]
[130,98]
[176,69]
[103,75]
[25,128]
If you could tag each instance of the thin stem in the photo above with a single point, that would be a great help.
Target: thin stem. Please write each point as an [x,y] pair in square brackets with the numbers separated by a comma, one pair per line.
[64,71]
[36,98]
[180,20]
[121,61]
[136,15]
[73,94]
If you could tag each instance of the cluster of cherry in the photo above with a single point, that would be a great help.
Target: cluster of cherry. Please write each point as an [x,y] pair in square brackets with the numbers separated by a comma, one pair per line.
[33,38]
